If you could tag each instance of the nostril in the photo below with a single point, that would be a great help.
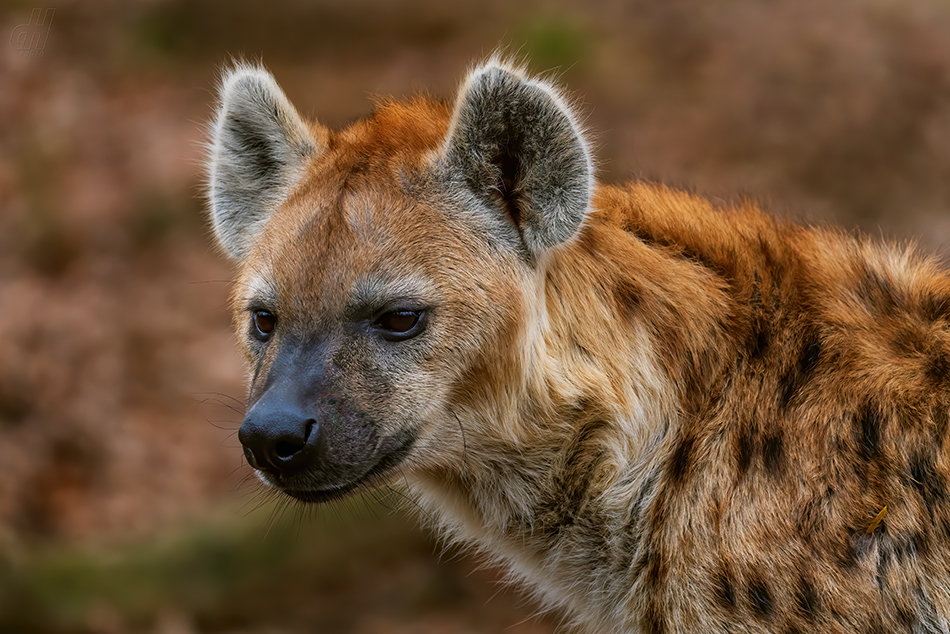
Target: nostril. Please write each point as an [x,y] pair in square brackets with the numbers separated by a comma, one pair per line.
[286,450]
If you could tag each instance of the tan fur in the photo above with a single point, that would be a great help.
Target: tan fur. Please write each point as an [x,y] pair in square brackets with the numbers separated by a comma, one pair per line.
[683,418]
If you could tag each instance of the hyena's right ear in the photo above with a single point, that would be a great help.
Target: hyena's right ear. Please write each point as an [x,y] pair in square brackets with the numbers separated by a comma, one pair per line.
[259,148]
[519,148]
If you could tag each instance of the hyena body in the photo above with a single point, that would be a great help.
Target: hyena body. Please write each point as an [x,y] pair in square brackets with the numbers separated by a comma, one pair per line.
[661,415]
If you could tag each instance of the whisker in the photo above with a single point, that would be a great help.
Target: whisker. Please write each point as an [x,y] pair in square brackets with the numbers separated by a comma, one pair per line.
[232,282]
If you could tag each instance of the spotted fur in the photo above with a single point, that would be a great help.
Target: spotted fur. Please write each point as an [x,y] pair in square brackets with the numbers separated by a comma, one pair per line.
[660,414]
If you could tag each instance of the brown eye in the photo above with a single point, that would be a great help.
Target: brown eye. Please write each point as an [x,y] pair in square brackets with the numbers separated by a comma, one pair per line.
[400,324]
[264,324]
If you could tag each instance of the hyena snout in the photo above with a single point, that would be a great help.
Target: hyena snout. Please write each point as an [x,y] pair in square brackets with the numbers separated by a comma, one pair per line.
[310,438]
[280,437]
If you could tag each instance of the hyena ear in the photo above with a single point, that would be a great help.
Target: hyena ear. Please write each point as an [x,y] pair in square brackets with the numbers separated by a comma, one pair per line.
[518,147]
[259,148]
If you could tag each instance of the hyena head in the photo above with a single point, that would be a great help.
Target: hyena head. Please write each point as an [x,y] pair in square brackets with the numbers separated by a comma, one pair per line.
[386,271]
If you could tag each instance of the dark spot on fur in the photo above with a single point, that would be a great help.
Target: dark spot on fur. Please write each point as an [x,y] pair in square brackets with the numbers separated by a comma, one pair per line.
[909,341]
[922,543]
[760,597]
[773,452]
[653,621]
[656,570]
[727,593]
[807,600]
[883,565]
[809,357]
[796,378]
[868,430]
[360,166]
[809,519]
[909,547]
[936,307]
[682,251]
[744,450]
[580,444]
[559,507]
[760,342]
[650,564]
[627,297]
[879,293]
[703,259]
[938,367]
[682,458]
[941,418]
[641,233]
[357,171]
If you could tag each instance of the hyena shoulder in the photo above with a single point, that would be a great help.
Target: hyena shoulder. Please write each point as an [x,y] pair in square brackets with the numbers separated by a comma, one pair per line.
[662,415]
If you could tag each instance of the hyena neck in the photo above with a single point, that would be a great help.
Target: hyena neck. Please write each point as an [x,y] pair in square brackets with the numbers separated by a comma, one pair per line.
[632,337]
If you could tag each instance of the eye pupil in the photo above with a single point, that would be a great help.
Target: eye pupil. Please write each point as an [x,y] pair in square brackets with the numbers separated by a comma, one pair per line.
[264,323]
[398,321]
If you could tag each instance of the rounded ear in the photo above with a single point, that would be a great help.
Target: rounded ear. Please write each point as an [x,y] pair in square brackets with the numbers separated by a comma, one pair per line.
[518,147]
[259,146]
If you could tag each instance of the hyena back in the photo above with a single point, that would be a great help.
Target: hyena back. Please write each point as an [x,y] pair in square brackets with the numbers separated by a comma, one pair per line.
[661,415]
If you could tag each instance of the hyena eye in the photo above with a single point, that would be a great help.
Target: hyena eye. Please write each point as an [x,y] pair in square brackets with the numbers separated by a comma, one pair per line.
[263,324]
[397,325]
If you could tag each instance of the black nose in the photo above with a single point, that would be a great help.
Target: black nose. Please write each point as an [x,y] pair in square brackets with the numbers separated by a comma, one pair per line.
[279,437]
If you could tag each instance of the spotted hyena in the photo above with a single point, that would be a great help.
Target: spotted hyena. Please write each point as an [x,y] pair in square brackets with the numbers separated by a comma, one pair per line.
[661,414]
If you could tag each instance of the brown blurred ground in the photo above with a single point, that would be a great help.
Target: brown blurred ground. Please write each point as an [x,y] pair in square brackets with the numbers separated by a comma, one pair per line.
[117,363]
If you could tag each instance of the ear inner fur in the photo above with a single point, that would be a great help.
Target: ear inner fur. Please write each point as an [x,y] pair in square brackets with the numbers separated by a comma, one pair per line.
[518,148]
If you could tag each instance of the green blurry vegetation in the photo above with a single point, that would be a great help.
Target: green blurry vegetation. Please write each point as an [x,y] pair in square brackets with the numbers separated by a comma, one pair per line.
[236,571]
[554,41]
[181,30]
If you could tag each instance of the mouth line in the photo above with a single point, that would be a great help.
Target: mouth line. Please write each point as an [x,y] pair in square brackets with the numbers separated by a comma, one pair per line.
[375,475]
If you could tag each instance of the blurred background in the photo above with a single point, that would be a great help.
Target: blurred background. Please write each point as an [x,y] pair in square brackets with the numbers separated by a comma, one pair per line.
[124,504]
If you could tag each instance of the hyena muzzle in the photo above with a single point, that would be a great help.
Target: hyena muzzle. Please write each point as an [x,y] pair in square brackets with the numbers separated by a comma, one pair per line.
[661,415]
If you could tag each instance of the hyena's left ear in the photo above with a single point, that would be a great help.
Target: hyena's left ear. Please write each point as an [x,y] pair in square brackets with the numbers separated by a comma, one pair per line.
[518,147]
[259,147]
